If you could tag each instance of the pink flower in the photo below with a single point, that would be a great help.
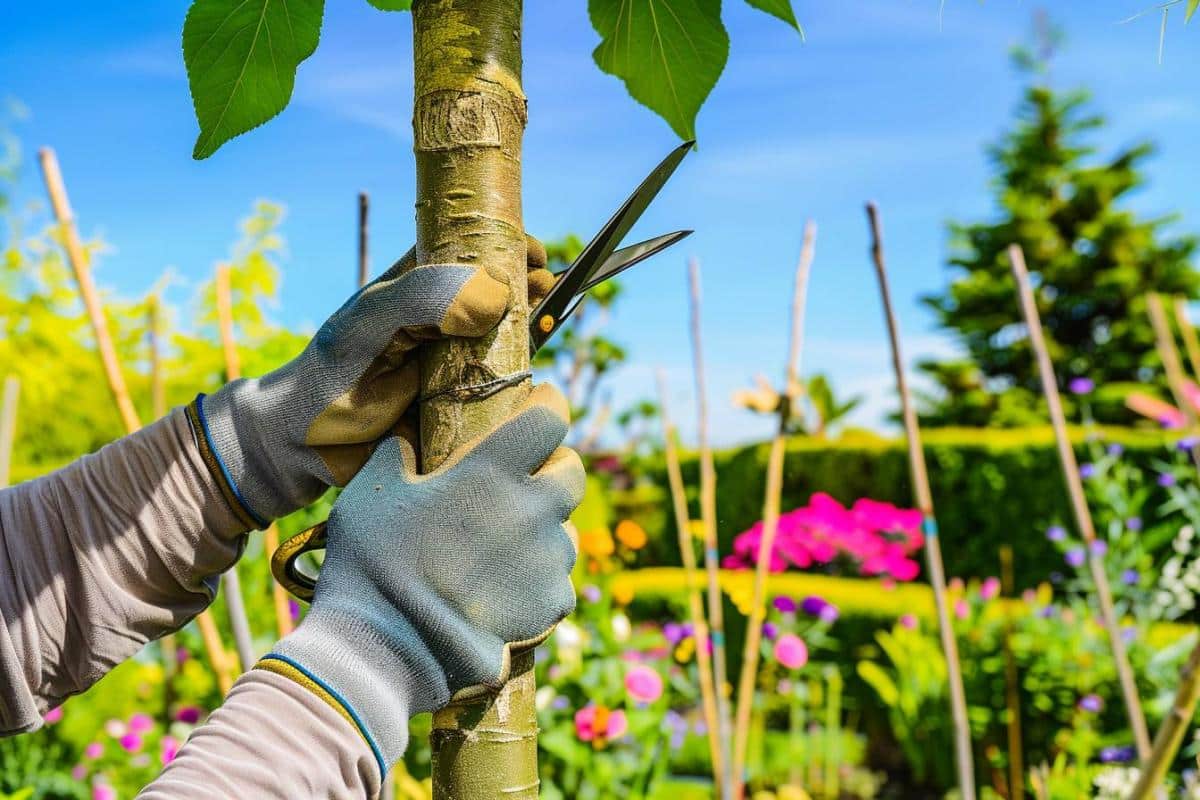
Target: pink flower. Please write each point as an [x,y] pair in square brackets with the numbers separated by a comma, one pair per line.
[791,651]
[990,588]
[115,728]
[141,723]
[102,791]
[170,748]
[908,621]
[131,742]
[79,772]
[93,751]
[962,609]
[618,725]
[591,718]
[644,684]
[53,715]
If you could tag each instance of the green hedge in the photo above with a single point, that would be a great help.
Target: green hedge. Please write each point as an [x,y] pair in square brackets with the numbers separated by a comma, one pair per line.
[990,487]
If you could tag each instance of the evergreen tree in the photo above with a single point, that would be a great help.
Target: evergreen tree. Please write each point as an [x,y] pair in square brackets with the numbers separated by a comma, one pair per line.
[1092,260]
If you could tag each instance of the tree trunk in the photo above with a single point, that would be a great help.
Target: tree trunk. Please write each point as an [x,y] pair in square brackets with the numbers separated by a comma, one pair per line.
[468,121]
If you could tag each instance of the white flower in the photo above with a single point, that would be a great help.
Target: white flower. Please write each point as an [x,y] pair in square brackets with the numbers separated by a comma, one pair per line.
[621,627]
[544,697]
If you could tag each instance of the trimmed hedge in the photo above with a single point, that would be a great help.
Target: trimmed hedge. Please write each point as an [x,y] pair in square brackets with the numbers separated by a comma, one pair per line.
[990,487]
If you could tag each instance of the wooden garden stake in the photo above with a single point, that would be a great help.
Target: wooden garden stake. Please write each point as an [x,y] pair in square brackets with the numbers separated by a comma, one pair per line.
[924,500]
[695,603]
[1012,689]
[1083,517]
[8,426]
[364,274]
[748,681]
[1168,353]
[78,260]
[708,516]
[469,115]
[1190,341]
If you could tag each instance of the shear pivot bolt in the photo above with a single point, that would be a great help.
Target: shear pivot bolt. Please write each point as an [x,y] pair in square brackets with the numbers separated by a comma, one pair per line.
[546,323]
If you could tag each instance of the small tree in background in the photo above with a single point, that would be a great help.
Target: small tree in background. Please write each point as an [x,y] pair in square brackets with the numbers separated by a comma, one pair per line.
[1092,261]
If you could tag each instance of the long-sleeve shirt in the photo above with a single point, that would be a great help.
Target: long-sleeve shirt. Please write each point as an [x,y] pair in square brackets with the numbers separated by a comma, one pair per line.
[120,548]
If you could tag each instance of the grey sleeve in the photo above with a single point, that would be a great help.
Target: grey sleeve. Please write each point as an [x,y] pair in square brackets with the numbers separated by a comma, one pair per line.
[271,740]
[102,556]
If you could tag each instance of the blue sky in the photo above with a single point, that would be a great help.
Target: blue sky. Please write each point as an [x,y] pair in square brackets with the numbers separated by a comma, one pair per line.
[880,103]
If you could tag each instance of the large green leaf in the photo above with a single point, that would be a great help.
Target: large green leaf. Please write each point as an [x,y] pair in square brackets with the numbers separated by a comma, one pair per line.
[669,53]
[783,10]
[241,58]
[391,5]
[1191,9]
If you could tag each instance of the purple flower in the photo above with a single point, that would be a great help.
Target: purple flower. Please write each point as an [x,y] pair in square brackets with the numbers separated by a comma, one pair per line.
[784,604]
[293,609]
[1048,612]
[1087,470]
[560,702]
[591,593]
[829,614]
[189,715]
[1056,533]
[1115,450]
[1098,547]
[1075,557]
[1130,577]
[1187,443]
[1117,755]
[770,630]
[1129,634]
[676,632]
[1091,703]
[1134,524]
[813,605]
[1081,385]
[1056,577]
[1166,479]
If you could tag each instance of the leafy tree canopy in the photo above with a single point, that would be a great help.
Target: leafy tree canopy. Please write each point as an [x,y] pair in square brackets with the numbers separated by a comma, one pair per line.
[1091,258]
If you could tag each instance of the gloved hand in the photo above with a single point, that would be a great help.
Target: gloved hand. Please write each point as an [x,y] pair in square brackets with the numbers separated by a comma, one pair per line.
[429,581]
[275,443]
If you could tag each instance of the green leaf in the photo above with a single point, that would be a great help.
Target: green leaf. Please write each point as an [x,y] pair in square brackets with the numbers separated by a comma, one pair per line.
[782,9]
[669,53]
[1191,9]
[241,58]
[391,5]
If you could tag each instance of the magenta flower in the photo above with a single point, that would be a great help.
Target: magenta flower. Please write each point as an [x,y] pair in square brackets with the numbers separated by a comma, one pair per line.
[908,621]
[962,609]
[644,684]
[131,742]
[188,714]
[102,791]
[170,749]
[791,651]
[141,723]
[93,751]
[770,630]
[53,715]
[784,604]
[590,717]
[990,588]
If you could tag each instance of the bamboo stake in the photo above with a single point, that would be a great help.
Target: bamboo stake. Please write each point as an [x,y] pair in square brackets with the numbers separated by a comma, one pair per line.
[78,260]
[748,682]
[469,116]
[8,426]
[1170,733]
[1083,517]
[708,516]
[1012,690]
[364,274]
[239,622]
[924,500]
[1188,331]
[695,602]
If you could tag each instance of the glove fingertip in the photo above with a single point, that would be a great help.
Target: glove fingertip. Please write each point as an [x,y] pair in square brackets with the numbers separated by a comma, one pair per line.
[478,306]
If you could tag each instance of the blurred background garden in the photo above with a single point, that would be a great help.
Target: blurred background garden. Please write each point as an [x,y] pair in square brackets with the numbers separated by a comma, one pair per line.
[1077,144]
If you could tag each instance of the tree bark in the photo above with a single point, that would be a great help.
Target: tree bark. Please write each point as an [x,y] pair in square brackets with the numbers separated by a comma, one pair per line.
[468,122]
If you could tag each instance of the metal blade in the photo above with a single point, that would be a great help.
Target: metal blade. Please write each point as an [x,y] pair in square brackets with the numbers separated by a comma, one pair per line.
[546,318]
[627,257]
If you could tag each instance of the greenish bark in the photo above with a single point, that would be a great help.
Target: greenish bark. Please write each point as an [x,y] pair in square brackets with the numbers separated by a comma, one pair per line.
[468,122]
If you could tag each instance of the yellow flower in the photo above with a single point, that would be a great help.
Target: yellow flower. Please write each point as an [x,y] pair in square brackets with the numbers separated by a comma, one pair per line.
[696,526]
[596,542]
[630,534]
[685,650]
[622,594]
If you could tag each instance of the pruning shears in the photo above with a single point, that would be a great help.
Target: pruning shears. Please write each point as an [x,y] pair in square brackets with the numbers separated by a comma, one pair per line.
[598,262]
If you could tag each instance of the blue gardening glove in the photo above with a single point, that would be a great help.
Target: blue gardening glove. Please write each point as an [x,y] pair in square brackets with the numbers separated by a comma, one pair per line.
[429,581]
[276,443]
